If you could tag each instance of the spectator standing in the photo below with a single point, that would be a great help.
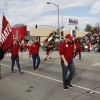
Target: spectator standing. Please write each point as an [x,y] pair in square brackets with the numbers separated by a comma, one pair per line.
[88,45]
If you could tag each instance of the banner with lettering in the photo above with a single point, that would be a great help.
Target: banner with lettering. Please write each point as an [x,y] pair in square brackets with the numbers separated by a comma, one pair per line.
[6,35]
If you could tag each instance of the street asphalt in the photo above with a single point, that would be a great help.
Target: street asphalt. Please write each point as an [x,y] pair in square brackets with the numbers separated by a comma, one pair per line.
[47,83]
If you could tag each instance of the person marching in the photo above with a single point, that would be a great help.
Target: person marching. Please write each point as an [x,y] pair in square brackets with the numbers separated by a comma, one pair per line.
[48,53]
[66,51]
[78,48]
[34,53]
[15,57]
[25,47]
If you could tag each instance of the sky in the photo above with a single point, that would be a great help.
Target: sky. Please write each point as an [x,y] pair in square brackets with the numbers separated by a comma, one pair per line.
[32,12]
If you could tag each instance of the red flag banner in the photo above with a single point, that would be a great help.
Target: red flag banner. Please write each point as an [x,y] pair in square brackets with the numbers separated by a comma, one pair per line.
[6,35]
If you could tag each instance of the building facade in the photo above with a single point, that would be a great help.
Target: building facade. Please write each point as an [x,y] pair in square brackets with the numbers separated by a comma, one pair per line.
[44,32]
[19,31]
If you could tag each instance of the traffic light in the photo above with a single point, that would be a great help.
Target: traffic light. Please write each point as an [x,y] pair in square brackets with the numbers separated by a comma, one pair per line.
[36,26]
[62,35]
[57,31]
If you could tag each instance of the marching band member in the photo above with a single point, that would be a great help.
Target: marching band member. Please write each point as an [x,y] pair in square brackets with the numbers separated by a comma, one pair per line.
[66,51]
[48,53]
[34,52]
[14,56]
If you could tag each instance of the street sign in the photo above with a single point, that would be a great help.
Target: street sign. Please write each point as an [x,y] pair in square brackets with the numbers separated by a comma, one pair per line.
[62,27]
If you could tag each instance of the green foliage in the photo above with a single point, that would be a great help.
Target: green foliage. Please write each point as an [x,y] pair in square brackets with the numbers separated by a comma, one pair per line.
[94,30]
[88,28]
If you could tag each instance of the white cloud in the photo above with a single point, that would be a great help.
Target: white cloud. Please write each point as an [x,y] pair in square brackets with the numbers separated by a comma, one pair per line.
[71,3]
[31,12]
[87,20]
[53,21]
[95,9]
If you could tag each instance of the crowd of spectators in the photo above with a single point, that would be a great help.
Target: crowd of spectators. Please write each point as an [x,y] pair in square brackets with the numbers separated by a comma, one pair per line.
[90,42]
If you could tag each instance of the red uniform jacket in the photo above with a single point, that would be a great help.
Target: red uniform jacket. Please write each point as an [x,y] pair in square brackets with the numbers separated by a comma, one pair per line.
[25,47]
[15,50]
[77,45]
[49,48]
[34,49]
[66,49]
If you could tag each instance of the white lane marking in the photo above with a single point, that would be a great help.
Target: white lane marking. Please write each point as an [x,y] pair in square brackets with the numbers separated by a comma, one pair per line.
[96,63]
[55,80]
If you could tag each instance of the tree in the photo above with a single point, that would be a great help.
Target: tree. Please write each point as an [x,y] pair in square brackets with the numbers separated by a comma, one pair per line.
[97,25]
[94,30]
[88,28]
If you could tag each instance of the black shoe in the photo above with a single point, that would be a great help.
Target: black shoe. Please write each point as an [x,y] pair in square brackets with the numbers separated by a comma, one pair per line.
[70,85]
[45,59]
[49,57]
[65,88]
[75,73]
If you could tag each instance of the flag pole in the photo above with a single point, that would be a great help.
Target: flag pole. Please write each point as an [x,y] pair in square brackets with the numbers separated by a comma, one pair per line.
[0,61]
